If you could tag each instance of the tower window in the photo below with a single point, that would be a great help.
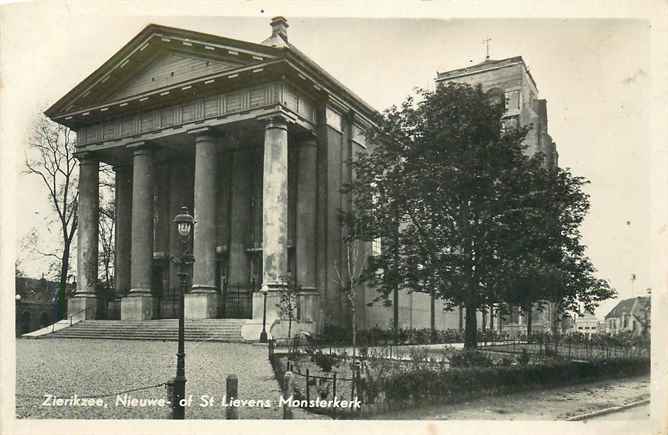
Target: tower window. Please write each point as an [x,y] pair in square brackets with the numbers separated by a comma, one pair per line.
[512,100]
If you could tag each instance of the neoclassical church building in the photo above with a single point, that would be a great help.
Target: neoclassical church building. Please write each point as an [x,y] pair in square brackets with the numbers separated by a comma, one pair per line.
[252,139]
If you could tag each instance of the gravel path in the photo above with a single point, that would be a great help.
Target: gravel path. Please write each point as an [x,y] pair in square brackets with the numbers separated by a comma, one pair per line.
[63,367]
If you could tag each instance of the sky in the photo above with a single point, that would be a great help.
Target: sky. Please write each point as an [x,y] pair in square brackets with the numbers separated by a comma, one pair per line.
[595,75]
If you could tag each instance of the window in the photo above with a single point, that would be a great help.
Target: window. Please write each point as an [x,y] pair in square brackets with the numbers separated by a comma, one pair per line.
[359,136]
[512,101]
[509,122]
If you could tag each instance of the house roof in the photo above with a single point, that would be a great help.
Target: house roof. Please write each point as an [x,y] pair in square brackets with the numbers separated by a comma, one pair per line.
[97,83]
[629,306]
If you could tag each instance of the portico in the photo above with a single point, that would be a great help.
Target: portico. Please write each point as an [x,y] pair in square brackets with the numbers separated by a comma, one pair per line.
[252,137]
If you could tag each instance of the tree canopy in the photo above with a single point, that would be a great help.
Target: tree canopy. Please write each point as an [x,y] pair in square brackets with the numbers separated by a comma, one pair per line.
[465,212]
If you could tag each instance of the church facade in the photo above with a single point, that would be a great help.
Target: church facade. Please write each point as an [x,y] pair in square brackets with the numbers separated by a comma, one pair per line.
[252,137]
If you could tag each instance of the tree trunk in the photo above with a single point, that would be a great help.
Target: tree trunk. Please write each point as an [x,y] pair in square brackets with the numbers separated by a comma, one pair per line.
[461,318]
[354,333]
[61,297]
[432,318]
[395,317]
[470,331]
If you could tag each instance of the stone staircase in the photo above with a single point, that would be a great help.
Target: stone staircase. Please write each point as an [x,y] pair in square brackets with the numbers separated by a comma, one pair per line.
[228,330]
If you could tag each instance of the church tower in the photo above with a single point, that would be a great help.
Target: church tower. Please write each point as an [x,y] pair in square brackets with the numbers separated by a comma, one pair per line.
[511,79]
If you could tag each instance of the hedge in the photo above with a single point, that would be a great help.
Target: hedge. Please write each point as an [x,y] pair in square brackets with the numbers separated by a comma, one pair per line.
[456,384]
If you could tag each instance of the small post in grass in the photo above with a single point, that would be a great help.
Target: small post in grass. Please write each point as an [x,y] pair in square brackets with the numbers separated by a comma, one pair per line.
[288,393]
[308,395]
[231,393]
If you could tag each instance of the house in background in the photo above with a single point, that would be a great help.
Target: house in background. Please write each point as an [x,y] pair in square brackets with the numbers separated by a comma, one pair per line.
[586,324]
[35,303]
[630,315]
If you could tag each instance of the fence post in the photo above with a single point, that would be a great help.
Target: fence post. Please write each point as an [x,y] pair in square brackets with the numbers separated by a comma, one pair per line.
[334,386]
[288,393]
[569,348]
[308,392]
[231,393]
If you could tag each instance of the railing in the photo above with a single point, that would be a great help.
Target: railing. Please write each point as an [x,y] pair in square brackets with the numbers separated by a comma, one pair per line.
[70,317]
[237,302]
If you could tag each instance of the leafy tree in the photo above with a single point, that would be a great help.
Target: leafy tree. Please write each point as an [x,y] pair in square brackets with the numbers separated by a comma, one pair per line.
[462,209]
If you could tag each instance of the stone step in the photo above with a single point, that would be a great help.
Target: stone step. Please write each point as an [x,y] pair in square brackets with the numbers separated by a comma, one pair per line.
[160,329]
[238,339]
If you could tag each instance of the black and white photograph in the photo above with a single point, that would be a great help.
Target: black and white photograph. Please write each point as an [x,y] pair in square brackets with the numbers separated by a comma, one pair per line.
[252,211]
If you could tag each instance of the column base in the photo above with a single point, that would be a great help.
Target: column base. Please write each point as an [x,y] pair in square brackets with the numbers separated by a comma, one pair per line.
[82,307]
[201,305]
[137,307]
[308,316]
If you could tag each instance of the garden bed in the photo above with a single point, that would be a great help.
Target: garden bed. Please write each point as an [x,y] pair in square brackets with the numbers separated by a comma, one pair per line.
[447,375]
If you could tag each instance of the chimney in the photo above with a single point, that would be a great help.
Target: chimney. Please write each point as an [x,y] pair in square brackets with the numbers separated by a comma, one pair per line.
[279,27]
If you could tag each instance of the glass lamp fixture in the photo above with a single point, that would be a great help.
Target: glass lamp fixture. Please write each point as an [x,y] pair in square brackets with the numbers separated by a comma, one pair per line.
[184,222]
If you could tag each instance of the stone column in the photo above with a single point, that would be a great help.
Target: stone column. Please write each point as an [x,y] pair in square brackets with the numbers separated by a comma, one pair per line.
[275,203]
[84,304]
[306,225]
[274,217]
[202,303]
[123,192]
[138,305]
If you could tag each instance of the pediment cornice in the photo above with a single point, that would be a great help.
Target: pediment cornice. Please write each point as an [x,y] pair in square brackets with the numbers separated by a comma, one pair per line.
[150,44]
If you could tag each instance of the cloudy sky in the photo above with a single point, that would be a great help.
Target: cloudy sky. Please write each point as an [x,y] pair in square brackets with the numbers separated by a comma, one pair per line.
[595,75]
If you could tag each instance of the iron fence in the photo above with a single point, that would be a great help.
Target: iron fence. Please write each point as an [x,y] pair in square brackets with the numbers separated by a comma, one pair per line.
[237,302]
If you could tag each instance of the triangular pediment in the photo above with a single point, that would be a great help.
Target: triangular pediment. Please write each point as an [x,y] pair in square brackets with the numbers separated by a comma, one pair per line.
[170,68]
[159,57]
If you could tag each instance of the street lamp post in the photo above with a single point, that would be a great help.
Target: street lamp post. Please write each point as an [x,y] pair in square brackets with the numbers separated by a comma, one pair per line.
[263,334]
[184,223]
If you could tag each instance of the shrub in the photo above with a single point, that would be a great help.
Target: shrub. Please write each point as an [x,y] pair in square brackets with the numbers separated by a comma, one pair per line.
[324,361]
[464,383]
[523,358]
[470,358]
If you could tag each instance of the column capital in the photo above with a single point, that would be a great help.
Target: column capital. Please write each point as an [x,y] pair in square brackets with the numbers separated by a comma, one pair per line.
[86,158]
[202,132]
[140,148]
[278,120]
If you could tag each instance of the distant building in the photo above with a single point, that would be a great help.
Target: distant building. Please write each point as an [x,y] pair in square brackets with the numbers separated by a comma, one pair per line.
[35,308]
[586,324]
[630,315]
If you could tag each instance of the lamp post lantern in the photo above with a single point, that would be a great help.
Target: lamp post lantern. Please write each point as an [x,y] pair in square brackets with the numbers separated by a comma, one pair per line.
[263,334]
[184,224]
